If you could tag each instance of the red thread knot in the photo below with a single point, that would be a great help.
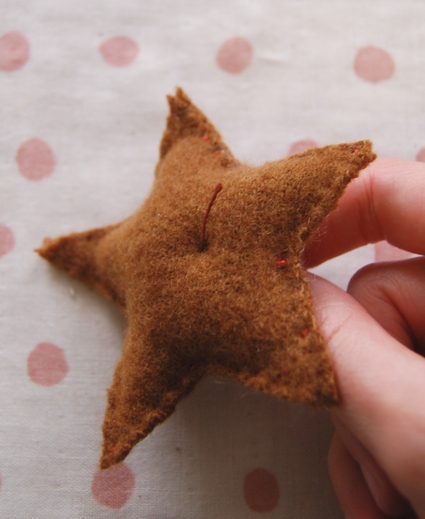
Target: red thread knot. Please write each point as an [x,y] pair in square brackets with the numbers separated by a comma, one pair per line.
[206,137]
[304,333]
[282,263]
[112,449]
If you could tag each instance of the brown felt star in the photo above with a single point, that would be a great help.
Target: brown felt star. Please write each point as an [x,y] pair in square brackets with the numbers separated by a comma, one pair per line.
[208,275]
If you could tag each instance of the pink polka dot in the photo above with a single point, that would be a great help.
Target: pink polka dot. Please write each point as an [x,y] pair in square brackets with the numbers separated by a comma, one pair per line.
[113,487]
[386,252]
[374,64]
[7,240]
[420,157]
[14,51]
[35,159]
[119,51]
[47,364]
[261,490]
[234,55]
[300,146]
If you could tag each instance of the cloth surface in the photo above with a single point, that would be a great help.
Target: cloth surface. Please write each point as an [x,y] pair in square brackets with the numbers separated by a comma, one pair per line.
[83,88]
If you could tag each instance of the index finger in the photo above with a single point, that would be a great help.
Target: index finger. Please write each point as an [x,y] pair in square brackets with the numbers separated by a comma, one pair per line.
[386,202]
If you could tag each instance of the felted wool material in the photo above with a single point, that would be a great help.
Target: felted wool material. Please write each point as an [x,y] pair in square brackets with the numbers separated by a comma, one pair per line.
[208,275]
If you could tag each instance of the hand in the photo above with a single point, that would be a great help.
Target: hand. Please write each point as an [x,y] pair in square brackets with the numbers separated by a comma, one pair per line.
[376,337]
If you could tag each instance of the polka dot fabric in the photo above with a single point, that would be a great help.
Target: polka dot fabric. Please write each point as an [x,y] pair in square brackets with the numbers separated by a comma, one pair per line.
[119,51]
[14,51]
[83,88]
[261,490]
[374,64]
[7,240]
[47,364]
[113,487]
[35,159]
[235,55]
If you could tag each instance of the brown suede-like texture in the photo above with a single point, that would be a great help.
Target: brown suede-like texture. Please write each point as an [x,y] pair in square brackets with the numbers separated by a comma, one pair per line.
[210,280]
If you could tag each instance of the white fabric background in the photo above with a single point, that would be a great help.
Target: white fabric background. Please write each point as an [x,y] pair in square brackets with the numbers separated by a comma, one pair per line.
[103,124]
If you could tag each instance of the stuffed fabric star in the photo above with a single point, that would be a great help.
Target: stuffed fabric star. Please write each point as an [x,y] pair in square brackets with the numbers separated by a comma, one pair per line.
[208,275]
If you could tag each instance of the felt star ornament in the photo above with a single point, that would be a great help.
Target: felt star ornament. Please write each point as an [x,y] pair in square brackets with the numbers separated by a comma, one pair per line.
[208,275]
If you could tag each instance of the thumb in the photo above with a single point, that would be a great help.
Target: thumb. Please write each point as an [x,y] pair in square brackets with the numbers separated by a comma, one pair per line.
[381,385]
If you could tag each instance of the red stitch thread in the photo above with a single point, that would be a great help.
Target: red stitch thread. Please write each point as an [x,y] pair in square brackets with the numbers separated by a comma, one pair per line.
[112,448]
[206,137]
[217,190]
[304,333]
[282,263]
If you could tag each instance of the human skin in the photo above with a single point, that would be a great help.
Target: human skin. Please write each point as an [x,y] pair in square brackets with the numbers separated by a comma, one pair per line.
[376,336]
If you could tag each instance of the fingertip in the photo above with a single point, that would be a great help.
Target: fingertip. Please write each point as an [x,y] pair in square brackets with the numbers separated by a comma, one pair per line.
[393,294]
[386,201]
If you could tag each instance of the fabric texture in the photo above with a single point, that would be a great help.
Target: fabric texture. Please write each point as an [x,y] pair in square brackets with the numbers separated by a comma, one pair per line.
[83,88]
